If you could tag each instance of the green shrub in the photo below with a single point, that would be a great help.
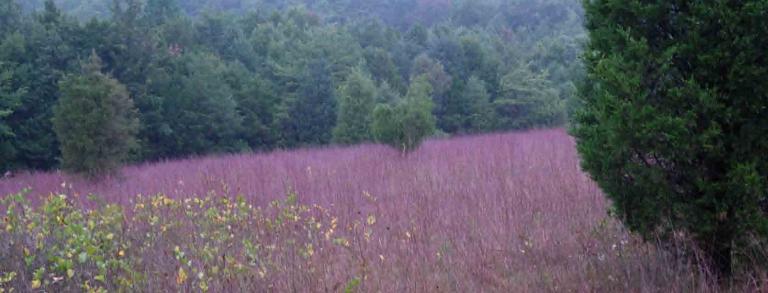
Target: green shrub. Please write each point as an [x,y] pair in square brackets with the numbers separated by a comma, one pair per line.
[405,125]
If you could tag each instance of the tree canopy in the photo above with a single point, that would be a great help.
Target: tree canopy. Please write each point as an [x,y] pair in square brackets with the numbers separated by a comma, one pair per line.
[356,101]
[230,76]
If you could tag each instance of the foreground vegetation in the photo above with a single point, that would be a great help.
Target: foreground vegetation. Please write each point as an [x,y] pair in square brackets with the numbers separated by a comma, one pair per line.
[504,212]
[160,244]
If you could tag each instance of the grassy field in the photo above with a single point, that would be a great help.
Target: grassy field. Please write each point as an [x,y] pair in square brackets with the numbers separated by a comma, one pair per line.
[491,213]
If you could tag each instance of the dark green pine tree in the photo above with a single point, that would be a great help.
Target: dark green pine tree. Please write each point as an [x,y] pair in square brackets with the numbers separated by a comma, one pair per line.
[356,101]
[95,122]
[674,124]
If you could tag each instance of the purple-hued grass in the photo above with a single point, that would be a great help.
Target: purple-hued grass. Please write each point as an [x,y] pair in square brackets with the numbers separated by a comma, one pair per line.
[498,212]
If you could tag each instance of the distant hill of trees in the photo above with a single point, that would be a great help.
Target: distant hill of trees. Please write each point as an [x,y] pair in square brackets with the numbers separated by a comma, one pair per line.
[235,75]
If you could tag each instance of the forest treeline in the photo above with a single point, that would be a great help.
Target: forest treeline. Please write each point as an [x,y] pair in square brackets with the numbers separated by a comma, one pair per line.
[238,75]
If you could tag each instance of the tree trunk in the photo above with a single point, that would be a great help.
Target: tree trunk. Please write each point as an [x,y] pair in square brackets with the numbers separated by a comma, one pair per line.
[722,260]
[720,253]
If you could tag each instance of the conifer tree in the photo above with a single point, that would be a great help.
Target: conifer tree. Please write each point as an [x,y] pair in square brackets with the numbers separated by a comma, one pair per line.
[674,124]
[95,122]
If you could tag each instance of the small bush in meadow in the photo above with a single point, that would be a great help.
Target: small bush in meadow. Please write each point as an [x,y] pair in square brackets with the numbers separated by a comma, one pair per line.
[406,125]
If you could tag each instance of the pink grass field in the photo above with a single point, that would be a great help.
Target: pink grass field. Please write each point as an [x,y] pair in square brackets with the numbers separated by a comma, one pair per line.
[498,212]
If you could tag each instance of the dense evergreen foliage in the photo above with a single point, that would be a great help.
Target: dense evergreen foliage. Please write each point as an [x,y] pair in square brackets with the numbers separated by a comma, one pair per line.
[95,122]
[675,121]
[229,76]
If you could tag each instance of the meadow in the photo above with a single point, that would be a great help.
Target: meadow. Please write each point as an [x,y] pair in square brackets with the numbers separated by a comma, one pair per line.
[490,213]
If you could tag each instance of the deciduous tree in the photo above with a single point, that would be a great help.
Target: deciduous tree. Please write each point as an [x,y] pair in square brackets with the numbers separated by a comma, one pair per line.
[406,125]
[356,101]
